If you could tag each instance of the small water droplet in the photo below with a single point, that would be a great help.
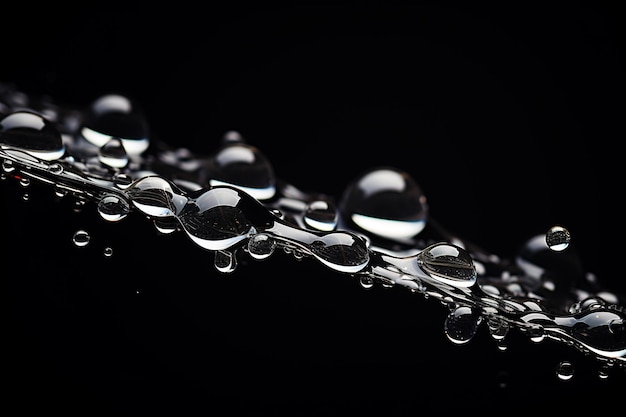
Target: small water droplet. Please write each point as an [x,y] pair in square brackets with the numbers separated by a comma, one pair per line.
[261,246]
[225,261]
[558,238]
[565,370]
[81,238]
[108,252]
[366,282]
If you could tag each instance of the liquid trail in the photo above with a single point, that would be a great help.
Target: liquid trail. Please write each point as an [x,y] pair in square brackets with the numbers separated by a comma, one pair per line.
[231,204]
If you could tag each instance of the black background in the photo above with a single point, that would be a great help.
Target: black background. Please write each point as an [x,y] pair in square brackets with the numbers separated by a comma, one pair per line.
[509,118]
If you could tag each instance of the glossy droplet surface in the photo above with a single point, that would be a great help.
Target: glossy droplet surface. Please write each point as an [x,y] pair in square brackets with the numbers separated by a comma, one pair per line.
[156,196]
[245,167]
[321,215]
[113,208]
[558,238]
[461,324]
[261,246]
[81,238]
[31,133]
[113,154]
[115,116]
[448,263]
[386,202]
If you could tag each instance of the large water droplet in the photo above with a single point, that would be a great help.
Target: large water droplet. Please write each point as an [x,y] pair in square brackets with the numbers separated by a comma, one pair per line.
[115,116]
[448,263]
[386,202]
[156,197]
[31,133]
[222,217]
[245,167]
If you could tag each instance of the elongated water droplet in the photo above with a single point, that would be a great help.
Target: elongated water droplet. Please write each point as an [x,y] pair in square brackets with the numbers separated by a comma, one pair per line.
[225,261]
[113,154]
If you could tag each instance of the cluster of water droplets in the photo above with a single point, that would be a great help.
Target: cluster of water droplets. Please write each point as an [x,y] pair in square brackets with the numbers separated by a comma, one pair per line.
[231,204]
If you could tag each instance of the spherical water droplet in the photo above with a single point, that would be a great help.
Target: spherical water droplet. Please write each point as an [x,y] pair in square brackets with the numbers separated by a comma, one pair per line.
[461,324]
[112,208]
[321,215]
[261,246]
[115,116]
[245,167]
[366,282]
[448,263]
[24,182]
[8,165]
[565,370]
[122,181]
[81,238]
[386,202]
[108,252]
[558,238]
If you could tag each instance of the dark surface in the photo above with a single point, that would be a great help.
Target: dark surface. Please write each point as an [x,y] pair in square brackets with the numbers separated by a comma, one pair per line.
[508,118]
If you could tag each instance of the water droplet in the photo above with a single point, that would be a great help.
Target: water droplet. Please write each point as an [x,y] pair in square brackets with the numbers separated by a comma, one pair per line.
[366,282]
[461,324]
[115,116]
[108,252]
[386,202]
[113,208]
[81,238]
[225,261]
[8,165]
[448,263]
[243,166]
[321,215]
[558,238]
[32,133]
[260,246]
[113,154]
[565,370]
[24,182]
[156,197]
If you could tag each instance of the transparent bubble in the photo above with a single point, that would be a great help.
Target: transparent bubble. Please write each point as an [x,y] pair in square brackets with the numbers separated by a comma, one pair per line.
[565,370]
[261,246]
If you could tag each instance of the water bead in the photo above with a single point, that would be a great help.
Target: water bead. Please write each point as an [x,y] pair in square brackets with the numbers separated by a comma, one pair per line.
[32,133]
[386,202]
[449,264]
[243,166]
[115,116]
[558,238]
